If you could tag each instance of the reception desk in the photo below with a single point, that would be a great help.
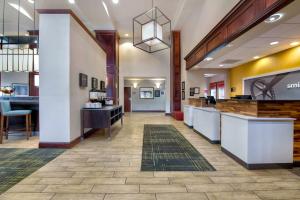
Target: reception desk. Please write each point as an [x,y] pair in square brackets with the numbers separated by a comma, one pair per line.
[206,122]
[188,115]
[266,109]
[258,142]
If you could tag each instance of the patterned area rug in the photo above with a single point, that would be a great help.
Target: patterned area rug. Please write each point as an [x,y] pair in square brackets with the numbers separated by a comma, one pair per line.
[165,149]
[17,164]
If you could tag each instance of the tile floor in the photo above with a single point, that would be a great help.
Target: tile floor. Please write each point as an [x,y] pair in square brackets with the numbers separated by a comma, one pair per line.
[101,169]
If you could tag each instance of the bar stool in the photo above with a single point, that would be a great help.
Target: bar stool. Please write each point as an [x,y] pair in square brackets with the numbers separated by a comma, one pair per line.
[6,113]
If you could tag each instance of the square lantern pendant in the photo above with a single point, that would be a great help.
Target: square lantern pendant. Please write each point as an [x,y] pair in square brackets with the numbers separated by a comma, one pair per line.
[152,31]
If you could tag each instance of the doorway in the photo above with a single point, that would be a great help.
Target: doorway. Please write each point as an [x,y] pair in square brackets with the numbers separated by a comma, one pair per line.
[127,99]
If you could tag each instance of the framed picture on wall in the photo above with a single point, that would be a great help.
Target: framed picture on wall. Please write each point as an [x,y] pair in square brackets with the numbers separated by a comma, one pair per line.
[192,92]
[102,86]
[20,89]
[183,95]
[83,80]
[183,85]
[146,93]
[94,83]
[197,90]
[157,93]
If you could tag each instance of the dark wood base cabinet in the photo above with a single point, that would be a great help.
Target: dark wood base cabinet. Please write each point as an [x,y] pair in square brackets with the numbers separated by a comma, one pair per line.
[102,118]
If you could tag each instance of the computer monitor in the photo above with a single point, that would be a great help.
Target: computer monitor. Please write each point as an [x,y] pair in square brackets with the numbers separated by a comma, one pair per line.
[211,99]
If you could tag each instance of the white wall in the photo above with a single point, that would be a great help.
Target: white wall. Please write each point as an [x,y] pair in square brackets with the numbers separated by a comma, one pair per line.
[197,25]
[155,104]
[65,51]
[8,78]
[137,63]
[86,57]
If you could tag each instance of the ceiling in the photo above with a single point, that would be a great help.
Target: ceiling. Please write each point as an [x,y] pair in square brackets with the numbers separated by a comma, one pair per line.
[94,16]
[256,42]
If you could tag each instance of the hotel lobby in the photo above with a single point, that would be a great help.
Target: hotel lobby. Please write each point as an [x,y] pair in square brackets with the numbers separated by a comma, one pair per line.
[149,99]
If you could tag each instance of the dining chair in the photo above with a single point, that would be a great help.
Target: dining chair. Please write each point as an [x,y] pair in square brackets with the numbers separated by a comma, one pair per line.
[6,113]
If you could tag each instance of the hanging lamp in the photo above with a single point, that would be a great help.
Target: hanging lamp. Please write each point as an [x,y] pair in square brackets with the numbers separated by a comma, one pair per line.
[19,53]
[152,30]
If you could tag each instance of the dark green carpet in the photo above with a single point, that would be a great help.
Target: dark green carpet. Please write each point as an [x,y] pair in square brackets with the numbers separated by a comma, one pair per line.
[17,164]
[165,149]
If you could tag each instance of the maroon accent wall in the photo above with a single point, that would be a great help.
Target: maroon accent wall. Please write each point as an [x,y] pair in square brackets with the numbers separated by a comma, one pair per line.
[175,72]
[109,41]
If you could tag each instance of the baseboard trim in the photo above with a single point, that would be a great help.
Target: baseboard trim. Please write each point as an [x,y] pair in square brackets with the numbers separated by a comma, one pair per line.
[296,164]
[259,165]
[206,138]
[59,145]
[90,133]
[187,125]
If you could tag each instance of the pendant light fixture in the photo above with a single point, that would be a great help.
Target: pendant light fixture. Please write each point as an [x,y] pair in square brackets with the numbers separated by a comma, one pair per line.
[19,53]
[152,30]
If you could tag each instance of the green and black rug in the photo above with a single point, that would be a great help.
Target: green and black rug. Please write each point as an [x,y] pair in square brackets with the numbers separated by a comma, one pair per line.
[165,149]
[17,164]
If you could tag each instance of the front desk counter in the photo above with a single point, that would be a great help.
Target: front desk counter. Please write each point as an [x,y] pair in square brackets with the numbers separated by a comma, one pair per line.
[188,115]
[263,122]
[206,122]
[258,143]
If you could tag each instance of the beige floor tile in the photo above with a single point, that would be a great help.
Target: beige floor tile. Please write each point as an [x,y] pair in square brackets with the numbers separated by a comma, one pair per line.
[68,188]
[27,188]
[181,196]
[26,196]
[209,188]
[53,174]
[130,197]
[78,197]
[107,181]
[232,179]
[254,186]
[173,174]
[279,194]
[147,181]
[93,174]
[288,185]
[232,196]
[60,181]
[162,188]
[191,180]
[116,189]
[30,181]
[134,174]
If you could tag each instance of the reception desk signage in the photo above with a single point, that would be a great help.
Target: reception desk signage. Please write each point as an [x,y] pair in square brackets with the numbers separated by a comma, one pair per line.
[282,86]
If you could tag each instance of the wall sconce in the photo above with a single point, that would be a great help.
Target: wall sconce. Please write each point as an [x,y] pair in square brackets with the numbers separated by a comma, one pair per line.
[135,85]
[157,85]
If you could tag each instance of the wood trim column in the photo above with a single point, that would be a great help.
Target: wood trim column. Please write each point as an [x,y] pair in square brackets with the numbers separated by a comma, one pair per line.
[175,69]
[109,41]
[33,90]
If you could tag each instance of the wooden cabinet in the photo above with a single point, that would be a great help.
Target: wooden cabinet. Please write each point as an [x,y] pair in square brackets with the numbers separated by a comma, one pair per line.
[102,118]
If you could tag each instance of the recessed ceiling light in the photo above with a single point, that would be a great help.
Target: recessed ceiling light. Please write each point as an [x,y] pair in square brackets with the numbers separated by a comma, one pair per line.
[105,7]
[21,9]
[274,18]
[115,1]
[294,44]
[256,57]
[126,35]
[221,65]
[72,1]
[209,59]
[274,43]
[229,45]
[31,1]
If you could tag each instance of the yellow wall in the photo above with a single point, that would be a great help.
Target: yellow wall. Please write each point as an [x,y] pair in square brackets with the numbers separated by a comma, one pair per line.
[283,60]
